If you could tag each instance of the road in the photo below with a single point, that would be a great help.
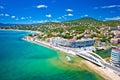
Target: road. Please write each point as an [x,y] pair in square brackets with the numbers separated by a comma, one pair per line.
[94,58]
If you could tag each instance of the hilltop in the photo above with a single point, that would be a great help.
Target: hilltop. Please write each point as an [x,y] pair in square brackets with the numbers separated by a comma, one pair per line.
[70,29]
[86,21]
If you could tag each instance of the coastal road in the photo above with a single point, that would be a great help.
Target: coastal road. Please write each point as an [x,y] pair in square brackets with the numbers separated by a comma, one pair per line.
[99,61]
[113,68]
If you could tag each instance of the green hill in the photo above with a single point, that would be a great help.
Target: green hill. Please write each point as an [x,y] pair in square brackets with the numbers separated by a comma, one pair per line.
[82,22]
[113,23]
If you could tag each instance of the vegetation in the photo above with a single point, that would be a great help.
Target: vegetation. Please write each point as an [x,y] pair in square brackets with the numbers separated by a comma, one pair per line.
[74,29]
[70,29]
[104,53]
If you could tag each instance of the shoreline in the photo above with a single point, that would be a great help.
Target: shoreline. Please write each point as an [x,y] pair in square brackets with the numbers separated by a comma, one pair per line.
[45,44]
[105,73]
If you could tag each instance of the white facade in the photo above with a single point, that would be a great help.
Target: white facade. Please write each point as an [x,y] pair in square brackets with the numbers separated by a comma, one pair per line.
[82,43]
[60,41]
[73,44]
[115,56]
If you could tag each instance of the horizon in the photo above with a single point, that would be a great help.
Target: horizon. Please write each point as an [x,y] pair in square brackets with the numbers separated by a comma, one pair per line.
[35,11]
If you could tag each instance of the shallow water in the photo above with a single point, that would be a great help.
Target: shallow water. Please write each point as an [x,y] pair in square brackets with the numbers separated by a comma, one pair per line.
[21,60]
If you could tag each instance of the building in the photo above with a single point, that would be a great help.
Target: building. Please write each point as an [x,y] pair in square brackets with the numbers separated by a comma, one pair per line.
[87,35]
[73,43]
[115,56]
[116,33]
[60,41]
[82,43]
[114,28]
[115,40]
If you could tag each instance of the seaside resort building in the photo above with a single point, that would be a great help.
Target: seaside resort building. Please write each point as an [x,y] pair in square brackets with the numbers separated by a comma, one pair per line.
[115,56]
[73,43]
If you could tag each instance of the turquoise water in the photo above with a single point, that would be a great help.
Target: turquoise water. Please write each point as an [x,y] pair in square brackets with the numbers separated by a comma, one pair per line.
[21,60]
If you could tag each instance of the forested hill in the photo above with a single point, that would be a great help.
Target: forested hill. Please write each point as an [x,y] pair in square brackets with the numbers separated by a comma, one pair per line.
[84,22]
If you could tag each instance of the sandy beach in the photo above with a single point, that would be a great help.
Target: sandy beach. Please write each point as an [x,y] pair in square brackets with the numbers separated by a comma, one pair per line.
[105,73]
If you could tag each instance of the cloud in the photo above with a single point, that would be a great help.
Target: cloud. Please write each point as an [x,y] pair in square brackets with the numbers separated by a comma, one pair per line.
[113,18]
[30,17]
[6,15]
[111,6]
[44,21]
[59,17]
[2,14]
[17,19]
[85,15]
[62,17]
[48,15]
[41,21]
[108,7]
[1,7]
[100,16]
[54,20]
[12,16]
[41,6]
[69,10]
[22,18]
[70,14]
[65,15]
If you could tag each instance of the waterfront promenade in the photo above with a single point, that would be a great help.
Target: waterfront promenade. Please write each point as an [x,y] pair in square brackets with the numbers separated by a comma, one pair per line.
[104,71]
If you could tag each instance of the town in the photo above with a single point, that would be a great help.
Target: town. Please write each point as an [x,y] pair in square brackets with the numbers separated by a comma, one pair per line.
[93,40]
[86,47]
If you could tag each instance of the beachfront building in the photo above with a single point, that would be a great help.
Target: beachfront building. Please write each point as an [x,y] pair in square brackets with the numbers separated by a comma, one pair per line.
[115,56]
[73,43]
[82,43]
[60,41]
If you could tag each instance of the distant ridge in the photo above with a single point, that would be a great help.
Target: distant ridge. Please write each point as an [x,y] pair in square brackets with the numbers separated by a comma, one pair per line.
[6,25]
[85,20]
[81,21]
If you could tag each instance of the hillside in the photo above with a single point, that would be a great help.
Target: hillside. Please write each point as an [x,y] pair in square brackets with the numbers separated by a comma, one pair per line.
[113,23]
[82,23]
[85,20]
[71,29]
[78,22]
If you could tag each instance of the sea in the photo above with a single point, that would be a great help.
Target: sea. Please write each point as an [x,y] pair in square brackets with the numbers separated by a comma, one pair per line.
[22,60]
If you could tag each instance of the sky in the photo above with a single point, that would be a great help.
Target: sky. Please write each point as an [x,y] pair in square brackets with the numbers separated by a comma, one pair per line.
[40,11]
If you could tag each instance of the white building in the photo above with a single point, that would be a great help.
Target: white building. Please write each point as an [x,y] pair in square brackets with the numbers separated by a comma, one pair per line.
[60,41]
[73,43]
[115,56]
[82,43]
